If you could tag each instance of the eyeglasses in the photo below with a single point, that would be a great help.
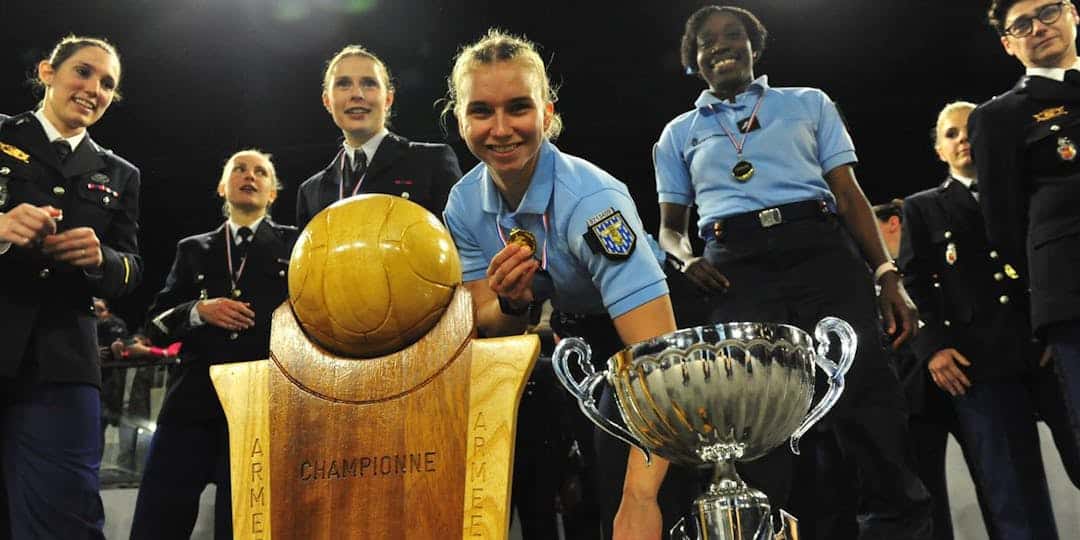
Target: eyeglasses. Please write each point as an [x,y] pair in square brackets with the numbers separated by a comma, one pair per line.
[1025,25]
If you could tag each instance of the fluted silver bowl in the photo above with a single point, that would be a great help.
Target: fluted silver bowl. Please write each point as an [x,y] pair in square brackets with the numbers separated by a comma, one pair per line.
[729,391]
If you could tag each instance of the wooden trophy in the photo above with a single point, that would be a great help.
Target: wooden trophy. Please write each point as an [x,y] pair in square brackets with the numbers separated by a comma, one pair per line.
[414,444]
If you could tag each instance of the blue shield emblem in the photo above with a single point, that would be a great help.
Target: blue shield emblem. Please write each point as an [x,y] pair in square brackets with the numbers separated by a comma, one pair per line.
[610,235]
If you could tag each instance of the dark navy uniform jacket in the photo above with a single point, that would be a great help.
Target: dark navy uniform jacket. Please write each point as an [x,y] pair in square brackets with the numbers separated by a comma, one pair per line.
[967,298]
[200,270]
[420,172]
[46,306]
[1025,145]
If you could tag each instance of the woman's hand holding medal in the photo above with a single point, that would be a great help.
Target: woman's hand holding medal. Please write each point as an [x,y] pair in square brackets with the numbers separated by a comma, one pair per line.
[511,271]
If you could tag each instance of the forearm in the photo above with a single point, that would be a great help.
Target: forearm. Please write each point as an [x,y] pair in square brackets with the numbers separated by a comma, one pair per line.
[674,226]
[490,319]
[643,480]
[649,320]
[854,210]
[676,244]
[492,322]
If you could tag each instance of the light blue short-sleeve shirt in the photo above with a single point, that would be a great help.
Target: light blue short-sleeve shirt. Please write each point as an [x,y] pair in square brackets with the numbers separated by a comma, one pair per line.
[798,136]
[574,195]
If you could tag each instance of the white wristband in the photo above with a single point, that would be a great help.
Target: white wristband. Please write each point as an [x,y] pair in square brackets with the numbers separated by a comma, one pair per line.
[883,268]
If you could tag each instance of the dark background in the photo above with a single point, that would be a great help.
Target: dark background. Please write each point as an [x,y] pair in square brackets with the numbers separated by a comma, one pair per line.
[204,78]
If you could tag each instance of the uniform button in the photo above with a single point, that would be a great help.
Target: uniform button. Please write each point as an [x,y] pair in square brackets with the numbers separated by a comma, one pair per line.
[234,335]
[1003,299]
[5,171]
[948,235]
[404,194]
[200,277]
[998,276]
[947,322]
[281,273]
[993,255]
[44,273]
[105,199]
[937,285]
[1055,127]
[58,191]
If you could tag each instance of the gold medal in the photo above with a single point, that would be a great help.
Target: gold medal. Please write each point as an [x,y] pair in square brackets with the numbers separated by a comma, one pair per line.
[524,238]
[743,170]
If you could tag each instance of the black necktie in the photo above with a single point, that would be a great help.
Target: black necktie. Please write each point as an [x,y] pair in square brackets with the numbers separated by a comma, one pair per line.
[1072,77]
[974,187]
[359,167]
[63,149]
[243,239]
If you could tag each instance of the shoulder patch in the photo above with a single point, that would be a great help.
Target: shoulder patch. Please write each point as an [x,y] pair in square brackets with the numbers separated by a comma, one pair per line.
[609,235]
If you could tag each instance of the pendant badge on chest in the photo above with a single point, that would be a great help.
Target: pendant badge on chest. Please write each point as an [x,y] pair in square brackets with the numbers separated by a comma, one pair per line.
[950,253]
[743,170]
[1066,150]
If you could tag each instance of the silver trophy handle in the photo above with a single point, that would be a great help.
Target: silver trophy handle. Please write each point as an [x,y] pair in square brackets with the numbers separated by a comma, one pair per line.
[585,390]
[680,531]
[849,342]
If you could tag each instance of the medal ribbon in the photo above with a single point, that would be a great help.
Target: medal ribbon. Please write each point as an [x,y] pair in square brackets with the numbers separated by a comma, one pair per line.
[341,184]
[731,136]
[234,277]
[543,251]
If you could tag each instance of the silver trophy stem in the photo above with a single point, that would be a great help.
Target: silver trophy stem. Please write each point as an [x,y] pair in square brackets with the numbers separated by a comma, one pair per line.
[728,510]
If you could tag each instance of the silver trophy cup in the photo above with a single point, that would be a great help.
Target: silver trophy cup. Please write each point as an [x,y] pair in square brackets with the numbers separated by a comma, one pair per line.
[713,395]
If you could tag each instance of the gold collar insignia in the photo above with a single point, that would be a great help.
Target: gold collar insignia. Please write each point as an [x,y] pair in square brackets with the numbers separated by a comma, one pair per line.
[14,152]
[1049,114]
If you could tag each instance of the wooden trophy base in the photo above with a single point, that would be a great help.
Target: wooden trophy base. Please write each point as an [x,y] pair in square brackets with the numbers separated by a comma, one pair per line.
[413,445]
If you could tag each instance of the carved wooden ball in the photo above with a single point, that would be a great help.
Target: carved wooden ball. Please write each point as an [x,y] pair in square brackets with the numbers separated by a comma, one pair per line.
[372,274]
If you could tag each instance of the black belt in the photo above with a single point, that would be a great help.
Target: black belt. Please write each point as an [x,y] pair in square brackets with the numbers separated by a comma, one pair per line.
[771,217]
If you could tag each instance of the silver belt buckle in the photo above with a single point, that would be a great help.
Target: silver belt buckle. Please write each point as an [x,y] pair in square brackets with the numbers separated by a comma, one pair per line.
[770,217]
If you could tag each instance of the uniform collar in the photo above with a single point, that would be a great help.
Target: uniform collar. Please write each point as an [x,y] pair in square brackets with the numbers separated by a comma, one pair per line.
[234,228]
[963,180]
[368,148]
[537,198]
[53,134]
[708,103]
[1057,74]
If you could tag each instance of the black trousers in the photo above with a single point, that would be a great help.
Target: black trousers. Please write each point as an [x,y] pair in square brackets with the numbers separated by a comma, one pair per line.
[183,459]
[797,273]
